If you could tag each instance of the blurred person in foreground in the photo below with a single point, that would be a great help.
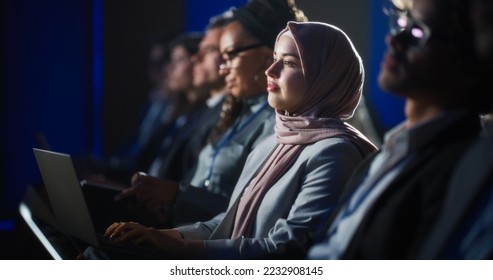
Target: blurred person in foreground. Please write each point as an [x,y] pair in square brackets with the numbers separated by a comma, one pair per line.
[395,196]
[464,230]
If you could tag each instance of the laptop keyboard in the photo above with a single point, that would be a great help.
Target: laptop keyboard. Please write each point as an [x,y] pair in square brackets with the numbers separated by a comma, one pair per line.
[129,250]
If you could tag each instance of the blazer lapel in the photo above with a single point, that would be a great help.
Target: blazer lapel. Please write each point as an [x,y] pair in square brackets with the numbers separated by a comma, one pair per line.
[225,227]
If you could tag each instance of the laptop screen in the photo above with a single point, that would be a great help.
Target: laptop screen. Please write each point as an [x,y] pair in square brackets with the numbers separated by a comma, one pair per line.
[65,195]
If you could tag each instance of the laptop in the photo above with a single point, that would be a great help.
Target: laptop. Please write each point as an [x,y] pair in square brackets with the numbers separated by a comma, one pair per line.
[69,206]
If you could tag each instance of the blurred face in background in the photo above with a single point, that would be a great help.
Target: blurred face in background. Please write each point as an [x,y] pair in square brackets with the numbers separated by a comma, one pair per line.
[245,61]
[206,62]
[180,75]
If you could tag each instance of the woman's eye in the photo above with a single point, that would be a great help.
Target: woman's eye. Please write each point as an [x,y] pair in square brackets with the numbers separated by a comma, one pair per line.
[289,63]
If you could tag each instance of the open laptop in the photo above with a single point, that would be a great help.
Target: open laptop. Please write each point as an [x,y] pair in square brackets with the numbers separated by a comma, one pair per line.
[69,205]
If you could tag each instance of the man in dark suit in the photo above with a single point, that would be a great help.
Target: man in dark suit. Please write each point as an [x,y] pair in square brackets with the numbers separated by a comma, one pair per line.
[464,230]
[396,195]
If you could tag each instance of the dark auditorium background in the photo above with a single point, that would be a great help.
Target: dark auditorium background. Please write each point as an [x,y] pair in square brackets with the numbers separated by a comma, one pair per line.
[75,72]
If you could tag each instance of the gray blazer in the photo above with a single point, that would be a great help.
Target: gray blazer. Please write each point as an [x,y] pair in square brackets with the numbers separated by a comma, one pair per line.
[292,210]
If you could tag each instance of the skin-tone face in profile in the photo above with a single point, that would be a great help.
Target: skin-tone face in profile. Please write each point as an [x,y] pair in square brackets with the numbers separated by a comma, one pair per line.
[180,77]
[417,65]
[285,80]
[244,71]
[206,62]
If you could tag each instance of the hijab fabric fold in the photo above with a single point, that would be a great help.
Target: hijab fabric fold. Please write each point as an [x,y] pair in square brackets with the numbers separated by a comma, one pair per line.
[333,73]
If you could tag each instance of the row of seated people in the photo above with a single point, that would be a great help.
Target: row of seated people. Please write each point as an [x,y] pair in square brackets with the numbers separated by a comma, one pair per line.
[283,174]
[312,145]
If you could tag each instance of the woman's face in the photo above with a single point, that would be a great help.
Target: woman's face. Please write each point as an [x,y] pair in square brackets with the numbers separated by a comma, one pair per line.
[180,75]
[245,59]
[285,80]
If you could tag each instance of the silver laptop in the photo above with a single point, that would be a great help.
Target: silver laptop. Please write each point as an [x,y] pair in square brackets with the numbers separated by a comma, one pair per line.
[65,195]
[69,206]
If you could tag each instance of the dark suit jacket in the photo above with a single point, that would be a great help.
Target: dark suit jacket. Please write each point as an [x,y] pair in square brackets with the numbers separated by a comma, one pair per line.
[402,216]
[471,183]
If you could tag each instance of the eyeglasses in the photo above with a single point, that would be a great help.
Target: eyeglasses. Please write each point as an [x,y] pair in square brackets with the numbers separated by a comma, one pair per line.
[229,56]
[401,22]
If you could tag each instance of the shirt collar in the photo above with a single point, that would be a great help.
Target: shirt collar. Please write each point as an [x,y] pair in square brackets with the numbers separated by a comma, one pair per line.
[419,135]
[254,103]
[214,100]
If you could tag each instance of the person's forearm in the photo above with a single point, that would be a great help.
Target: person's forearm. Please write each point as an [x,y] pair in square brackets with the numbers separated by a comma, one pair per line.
[188,249]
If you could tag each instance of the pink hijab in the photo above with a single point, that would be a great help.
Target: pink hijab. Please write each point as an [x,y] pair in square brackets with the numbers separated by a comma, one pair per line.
[334,75]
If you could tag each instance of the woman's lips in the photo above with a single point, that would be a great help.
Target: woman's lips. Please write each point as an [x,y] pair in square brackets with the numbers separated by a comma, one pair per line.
[272,87]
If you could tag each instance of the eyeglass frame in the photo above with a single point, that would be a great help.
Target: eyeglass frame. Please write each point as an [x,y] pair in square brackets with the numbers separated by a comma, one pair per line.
[395,14]
[229,56]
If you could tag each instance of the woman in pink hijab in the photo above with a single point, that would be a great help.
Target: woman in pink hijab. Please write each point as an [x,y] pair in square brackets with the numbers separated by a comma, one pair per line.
[292,181]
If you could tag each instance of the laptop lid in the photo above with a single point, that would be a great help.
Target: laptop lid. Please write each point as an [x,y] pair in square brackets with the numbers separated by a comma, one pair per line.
[70,208]
[65,195]
[39,207]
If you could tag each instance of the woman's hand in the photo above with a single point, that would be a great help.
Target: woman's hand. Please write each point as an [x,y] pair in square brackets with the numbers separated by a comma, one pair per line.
[169,240]
[117,231]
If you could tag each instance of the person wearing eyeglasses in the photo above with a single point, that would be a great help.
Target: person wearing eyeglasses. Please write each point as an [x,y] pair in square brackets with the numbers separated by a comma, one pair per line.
[464,230]
[394,197]
[246,45]
[292,180]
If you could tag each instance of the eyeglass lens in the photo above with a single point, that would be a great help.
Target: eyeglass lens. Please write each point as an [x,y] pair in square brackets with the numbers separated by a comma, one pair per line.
[400,21]
[229,56]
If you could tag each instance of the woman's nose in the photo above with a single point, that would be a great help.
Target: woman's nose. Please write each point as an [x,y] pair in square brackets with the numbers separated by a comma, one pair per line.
[272,71]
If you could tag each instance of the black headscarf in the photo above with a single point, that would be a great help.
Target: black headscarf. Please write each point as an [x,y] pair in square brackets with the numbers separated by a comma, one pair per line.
[264,19]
